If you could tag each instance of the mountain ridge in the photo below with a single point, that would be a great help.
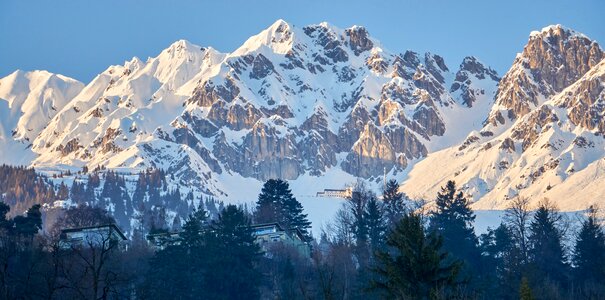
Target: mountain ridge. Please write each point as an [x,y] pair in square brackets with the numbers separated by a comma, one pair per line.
[306,102]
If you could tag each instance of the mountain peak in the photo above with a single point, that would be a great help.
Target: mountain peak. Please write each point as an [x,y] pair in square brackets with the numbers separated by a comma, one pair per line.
[279,26]
[183,46]
[553,59]
[359,39]
[557,30]
[278,37]
[475,66]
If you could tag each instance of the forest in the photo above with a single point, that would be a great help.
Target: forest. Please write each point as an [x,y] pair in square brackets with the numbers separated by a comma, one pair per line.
[376,247]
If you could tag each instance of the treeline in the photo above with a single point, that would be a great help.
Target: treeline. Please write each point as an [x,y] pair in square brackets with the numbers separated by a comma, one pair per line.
[377,247]
[22,187]
[152,201]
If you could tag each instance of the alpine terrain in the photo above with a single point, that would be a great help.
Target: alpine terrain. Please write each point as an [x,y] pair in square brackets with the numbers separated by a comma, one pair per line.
[320,106]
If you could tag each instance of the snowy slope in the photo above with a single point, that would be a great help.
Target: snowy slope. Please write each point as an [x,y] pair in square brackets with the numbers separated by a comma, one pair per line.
[290,102]
[320,106]
[28,101]
[553,150]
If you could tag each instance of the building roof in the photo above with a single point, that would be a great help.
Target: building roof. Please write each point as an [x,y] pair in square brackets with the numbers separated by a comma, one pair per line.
[111,226]
[294,230]
[255,226]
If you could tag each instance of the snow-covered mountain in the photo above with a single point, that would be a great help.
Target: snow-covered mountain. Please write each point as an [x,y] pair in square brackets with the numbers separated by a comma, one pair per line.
[544,136]
[319,106]
[28,101]
[289,102]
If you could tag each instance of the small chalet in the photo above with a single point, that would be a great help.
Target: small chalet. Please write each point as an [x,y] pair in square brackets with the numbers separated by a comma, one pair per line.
[272,233]
[335,193]
[161,240]
[92,236]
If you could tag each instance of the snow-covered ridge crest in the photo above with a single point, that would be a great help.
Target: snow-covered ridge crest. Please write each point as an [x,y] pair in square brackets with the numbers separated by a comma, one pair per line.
[28,101]
[290,102]
[556,29]
[552,59]
[555,151]
[305,103]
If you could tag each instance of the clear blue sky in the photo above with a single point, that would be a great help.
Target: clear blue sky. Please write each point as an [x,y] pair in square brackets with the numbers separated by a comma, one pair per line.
[81,38]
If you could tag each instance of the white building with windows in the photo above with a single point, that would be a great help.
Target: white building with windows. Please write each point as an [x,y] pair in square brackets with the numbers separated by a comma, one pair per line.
[271,234]
[92,236]
[336,193]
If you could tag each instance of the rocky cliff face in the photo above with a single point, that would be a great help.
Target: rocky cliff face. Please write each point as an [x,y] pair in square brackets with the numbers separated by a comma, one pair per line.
[319,103]
[289,102]
[544,135]
[553,59]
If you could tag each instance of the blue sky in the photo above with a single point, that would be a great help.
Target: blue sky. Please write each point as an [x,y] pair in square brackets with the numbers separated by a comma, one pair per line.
[81,38]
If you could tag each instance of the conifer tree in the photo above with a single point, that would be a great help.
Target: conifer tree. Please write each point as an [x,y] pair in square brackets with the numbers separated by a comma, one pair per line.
[277,204]
[453,219]
[232,250]
[589,252]
[525,291]
[546,252]
[194,226]
[63,192]
[376,224]
[394,206]
[5,223]
[415,266]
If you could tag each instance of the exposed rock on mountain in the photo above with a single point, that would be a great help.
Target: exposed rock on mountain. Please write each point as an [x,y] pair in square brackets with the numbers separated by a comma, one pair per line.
[553,59]
[308,102]
[28,101]
[548,144]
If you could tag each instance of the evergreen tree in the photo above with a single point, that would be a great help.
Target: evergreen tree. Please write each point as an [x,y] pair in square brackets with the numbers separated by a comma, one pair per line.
[525,291]
[589,252]
[63,192]
[502,261]
[357,206]
[546,252]
[394,206]
[277,204]
[453,219]
[28,225]
[114,192]
[376,225]
[232,251]
[77,193]
[91,185]
[5,223]
[193,227]
[140,190]
[415,265]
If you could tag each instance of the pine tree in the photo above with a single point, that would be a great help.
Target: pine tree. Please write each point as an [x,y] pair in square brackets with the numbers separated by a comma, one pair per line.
[77,193]
[546,252]
[193,227]
[394,207]
[5,223]
[232,250]
[295,218]
[63,192]
[269,205]
[28,225]
[525,291]
[415,266]
[277,204]
[503,261]
[589,253]
[376,224]
[453,219]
